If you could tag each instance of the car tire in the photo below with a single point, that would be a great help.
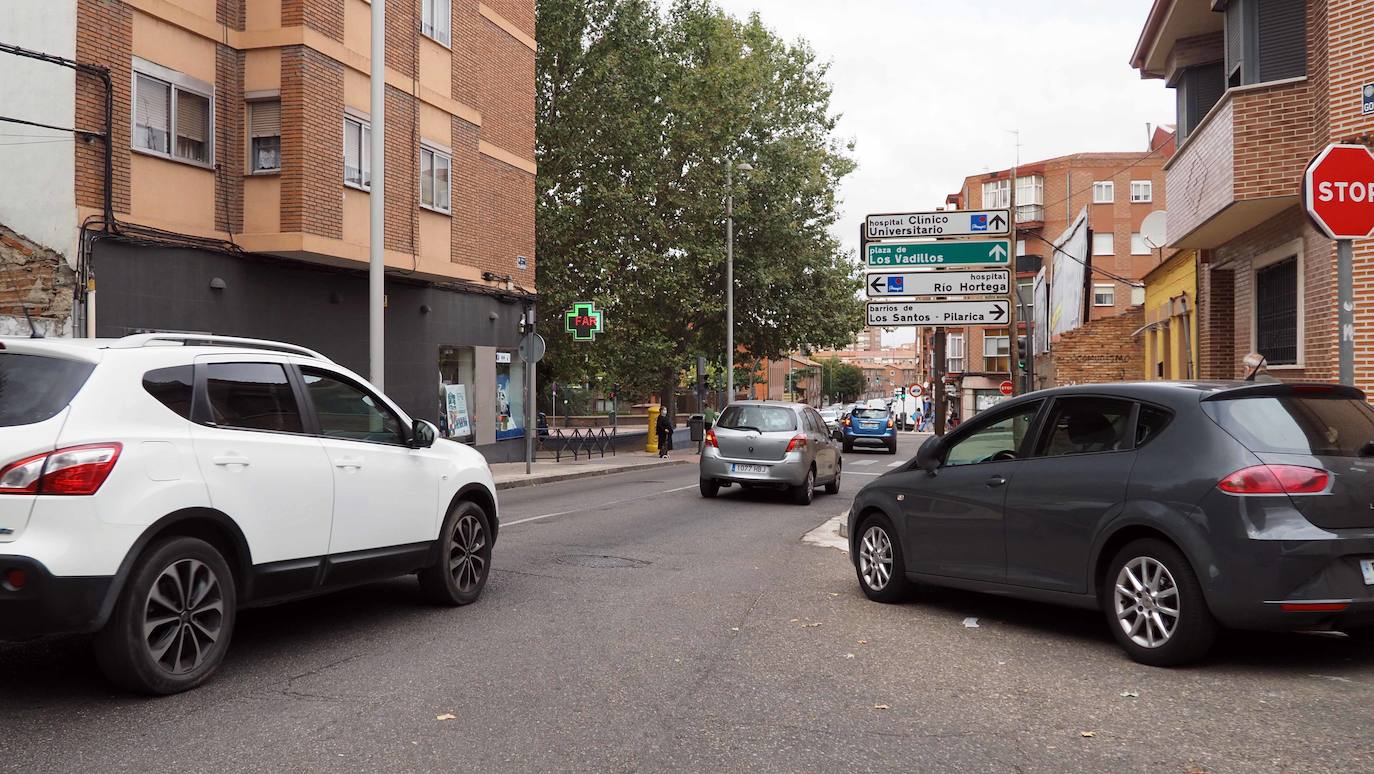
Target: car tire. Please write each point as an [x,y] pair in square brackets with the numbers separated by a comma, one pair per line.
[892,448]
[878,561]
[462,562]
[709,487]
[806,491]
[1187,633]
[834,486]
[184,590]
[848,447]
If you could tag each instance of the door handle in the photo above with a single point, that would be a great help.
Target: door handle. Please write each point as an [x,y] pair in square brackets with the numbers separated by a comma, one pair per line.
[231,459]
[996,481]
[348,462]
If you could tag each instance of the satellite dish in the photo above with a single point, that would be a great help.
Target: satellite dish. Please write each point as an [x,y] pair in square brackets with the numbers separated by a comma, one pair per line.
[1152,230]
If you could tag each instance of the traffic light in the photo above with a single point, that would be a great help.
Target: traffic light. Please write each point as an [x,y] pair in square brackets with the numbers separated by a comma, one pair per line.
[615,391]
[1022,353]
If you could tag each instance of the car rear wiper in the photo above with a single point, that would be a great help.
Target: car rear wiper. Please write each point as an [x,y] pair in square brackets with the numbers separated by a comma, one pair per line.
[746,427]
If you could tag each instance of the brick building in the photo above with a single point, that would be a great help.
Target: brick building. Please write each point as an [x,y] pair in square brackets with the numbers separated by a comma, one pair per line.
[1118,190]
[1261,86]
[242,175]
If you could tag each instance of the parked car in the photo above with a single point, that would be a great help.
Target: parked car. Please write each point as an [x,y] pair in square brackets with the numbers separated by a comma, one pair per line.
[767,444]
[832,423]
[1175,508]
[152,486]
[870,425]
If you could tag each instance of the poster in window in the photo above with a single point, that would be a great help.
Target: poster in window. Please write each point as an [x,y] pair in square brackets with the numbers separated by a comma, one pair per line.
[456,409]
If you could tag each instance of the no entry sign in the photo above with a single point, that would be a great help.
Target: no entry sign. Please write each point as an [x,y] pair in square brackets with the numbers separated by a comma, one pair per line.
[1338,189]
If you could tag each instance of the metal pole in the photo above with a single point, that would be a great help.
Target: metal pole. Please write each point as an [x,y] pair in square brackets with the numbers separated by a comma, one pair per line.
[376,266]
[1014,297]
[531,395]
[937,380]
[730,284]
[1345,300]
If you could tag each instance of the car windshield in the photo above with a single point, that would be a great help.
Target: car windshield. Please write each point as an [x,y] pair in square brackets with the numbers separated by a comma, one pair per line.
[1326,427]
[34,388]
[870,413]
[765,419]
[828,414]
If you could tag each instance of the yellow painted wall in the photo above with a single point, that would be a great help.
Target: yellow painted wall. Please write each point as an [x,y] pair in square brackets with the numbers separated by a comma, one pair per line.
[171,192]
[175,48]
[262,69]
[262,204]
[202,8]
[356,92]
[358,26]
[435,125]
[436,67]
[436,240]
[355,216]
[1177,276]
[262,14]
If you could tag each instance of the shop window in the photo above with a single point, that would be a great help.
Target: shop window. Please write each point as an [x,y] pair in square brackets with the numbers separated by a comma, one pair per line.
[457,383]
[510,396]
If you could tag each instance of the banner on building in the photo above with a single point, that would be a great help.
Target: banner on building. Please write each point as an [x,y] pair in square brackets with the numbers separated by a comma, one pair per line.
[456,407]
[1067,274]
[1040,313]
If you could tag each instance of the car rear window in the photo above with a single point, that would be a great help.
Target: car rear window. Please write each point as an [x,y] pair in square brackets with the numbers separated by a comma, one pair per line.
[870,413]
[765,419]
[1325,427]
[172,387]
[33,388]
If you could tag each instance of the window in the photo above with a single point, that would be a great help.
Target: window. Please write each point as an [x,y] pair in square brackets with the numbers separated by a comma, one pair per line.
[1030,198]
[1103,243]
[264,136]
[1198,89]
[954,353]
[173,114]
[1104,295]
[1138,246]
[1276,311]
[996,350]
[172,387]
[1150,422]
[357,153]
[33,388]
[510,396]
[347,411]
[435,172]
[997,194]
[765,419]
[457,390]
[1020,247]
[1142,191]
[1319,426]
[1104,192]
[1001,439]
[1266,40]
[1087,426]
[252,396]
[434,20]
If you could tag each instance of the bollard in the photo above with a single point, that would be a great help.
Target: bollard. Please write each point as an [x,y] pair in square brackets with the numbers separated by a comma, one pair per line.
[651,446]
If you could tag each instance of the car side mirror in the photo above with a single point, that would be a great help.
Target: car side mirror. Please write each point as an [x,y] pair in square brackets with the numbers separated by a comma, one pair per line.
[928,456]
[422,434]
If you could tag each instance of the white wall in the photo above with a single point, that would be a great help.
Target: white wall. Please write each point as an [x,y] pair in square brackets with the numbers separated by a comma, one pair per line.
[37,166]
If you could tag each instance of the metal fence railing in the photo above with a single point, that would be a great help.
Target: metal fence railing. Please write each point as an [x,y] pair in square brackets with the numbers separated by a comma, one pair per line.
[581,442]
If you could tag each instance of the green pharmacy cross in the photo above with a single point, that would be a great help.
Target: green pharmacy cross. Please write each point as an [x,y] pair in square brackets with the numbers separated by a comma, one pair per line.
[584,321]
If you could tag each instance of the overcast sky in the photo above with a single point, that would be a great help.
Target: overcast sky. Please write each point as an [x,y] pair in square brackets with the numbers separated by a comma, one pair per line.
[928,89]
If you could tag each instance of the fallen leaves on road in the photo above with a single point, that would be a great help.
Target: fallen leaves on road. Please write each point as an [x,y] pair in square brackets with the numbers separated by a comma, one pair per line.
[881,707]
[1087,734]
[970,623]
[446,716]
[863,642]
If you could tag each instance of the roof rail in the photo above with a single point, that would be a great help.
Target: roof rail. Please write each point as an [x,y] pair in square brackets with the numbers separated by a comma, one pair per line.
[193,339]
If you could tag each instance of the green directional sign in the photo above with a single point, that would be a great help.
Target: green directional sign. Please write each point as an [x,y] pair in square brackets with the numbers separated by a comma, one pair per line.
[979,252]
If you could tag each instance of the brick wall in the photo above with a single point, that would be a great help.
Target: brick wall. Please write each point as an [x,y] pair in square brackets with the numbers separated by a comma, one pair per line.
[312,142]
[1216,329]
[403,36]
[507,207]
[104,35]
[507,91]
[1100,351]
[34,277]
[468,26]
[229,142]
[467,222]
[1272,140]
[402,172]
[326,16]
[230,13]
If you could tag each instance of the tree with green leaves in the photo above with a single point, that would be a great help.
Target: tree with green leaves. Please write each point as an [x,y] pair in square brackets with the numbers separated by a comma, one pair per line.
[641,111]
[840,380]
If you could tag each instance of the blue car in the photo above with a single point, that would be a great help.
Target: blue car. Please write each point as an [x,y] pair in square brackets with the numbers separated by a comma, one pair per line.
[870,426]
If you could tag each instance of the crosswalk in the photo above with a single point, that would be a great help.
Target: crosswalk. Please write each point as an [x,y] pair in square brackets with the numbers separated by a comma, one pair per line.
[862,463]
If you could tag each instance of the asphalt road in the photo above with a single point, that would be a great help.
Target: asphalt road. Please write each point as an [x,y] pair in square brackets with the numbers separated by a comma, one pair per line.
[630,625]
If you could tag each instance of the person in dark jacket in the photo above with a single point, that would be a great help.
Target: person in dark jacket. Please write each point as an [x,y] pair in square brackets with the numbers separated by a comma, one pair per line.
[665,432]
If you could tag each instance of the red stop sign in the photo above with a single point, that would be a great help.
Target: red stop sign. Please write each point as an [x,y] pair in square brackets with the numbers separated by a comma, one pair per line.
[1006,387]
[1338,189]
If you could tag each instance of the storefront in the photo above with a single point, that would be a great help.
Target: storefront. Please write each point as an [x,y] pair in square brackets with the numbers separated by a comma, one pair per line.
[451,350]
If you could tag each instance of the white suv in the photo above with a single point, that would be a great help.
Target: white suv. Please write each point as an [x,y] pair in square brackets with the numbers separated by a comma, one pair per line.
[151,486]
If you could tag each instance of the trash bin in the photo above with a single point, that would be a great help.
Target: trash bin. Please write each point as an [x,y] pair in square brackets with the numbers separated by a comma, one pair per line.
[696,423]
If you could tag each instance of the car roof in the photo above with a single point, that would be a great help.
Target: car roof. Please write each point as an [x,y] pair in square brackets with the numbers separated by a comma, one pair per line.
[1180,392]
[780,403]
[94,350]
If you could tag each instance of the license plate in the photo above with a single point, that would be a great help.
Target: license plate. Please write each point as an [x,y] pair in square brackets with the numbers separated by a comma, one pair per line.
[868,425]
[748,468]
[1367,567]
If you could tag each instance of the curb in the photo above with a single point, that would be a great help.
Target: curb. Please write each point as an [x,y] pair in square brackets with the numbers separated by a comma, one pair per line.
[520,483]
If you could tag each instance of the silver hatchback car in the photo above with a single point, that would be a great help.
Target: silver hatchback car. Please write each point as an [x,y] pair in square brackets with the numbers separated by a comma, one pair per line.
[779,445]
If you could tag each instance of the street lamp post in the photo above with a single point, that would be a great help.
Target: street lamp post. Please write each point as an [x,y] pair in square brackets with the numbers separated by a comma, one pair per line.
[730,275]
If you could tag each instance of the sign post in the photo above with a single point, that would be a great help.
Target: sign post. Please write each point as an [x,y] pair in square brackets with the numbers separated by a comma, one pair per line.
[1338,191]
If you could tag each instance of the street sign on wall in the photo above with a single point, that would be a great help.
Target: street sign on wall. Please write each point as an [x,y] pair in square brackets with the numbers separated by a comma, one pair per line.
[951,223]
[1338,189]
[990,282]
[974,252]
[888,314]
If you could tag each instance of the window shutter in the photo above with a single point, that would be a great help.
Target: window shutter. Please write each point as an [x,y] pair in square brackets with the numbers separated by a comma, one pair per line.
[193,116]
[1282,39]
[265,119]
[153,97]
[1235,43]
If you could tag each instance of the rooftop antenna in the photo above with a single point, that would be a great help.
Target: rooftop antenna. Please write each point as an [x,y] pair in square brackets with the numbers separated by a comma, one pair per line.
[34,333]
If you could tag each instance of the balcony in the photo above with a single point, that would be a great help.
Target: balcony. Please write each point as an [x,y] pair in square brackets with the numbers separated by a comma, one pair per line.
[1030,215]
[1242,165]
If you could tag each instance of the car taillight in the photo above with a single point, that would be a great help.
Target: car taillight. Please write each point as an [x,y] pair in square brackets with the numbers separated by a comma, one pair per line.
[75,470]
[798,442]
[846,421]
[889,422]
[1276,480]
[711,439]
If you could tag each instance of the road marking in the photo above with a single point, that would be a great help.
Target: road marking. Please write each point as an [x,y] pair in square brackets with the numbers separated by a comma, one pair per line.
[896,464]
[858,473]
[863,462]
[595,506]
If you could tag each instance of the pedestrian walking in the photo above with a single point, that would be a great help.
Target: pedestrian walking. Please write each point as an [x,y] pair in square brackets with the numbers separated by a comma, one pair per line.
[665,432]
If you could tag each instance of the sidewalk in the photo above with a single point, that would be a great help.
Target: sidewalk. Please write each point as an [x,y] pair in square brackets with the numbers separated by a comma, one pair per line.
[510,475]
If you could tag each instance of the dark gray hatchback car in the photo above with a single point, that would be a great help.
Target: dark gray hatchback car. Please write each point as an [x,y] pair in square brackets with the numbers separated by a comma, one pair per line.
[1176,508]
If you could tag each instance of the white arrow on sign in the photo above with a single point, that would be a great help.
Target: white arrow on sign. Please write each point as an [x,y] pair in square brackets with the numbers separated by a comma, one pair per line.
[985,282]
[888,314]
[938,224]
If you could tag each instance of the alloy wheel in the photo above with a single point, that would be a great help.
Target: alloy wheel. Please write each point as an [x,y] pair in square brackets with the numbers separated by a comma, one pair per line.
[875,558]
[465,561]
[1147,602]
[183,616]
